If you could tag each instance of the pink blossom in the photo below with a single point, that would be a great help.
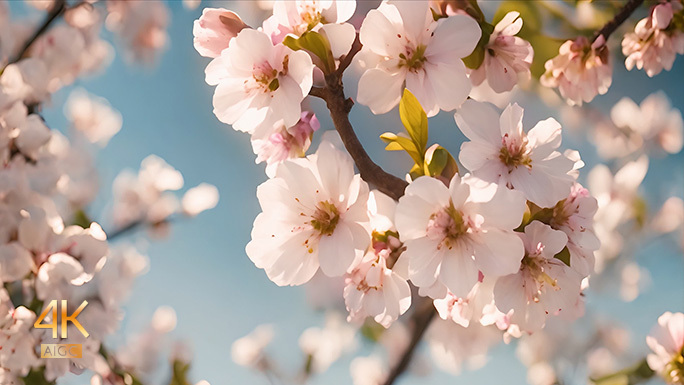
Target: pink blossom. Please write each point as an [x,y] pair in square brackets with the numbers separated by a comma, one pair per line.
[666,340]
[543,286]
[653,45]
[507,57]
[285,142]
[214,30]
[372,289]
[581,70]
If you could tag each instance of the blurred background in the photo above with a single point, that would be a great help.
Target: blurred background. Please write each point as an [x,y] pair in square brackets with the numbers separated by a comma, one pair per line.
[201,269]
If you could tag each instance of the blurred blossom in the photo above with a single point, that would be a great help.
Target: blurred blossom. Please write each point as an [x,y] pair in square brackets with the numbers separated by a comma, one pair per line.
[326,345]
[670,217]
[633,281]
[92,116]
[666,341]
[655,123]
[141,353]
[367,371]
[201,198]
[656,39]
[141,27]
[452,345]
[191,4]
[582,70]
[249,350]
[146,196]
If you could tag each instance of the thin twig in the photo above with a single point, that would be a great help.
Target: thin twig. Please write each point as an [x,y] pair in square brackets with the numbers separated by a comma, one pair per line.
[346,60]
[619,18]
[57,9]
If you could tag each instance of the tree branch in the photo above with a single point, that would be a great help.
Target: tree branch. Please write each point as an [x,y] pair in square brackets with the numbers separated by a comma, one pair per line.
[619,18]
[339,107]
[346,60]
[419,322]
[57,9]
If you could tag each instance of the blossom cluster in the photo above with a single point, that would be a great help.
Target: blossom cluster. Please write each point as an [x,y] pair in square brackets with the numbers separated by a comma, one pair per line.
[49,249]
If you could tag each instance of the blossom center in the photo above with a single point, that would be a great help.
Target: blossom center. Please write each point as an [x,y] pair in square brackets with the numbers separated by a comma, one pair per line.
[266,77]
[413,59]
[325,218]
[514,153]
[447,226]
[533,266]
[311,17]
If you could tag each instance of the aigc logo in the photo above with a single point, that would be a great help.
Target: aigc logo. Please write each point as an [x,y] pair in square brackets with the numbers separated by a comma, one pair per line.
[61,350]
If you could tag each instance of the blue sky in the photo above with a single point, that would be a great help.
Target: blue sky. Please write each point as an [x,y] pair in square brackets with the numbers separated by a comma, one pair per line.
[202,271]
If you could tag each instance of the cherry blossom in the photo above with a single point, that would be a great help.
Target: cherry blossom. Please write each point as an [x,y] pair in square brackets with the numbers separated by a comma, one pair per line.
[200,198]
[452,345]
[314,213]
[452,233]
[214,30]
[249,350]
[404,46]
[666,340]
[297,17]
[326,345]
[285,142]
[575,217]
[654,123]
[259,84]
[374,290]
[507,57]
[655,43]
[581,70]
[544,285]
[92,116]
[500,151]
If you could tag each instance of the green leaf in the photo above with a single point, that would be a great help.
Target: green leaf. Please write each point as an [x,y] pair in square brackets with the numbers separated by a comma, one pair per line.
[439,162]
[37,377]
[475,59]
[316,44]
[414,119]
[179,374]
[400,142]
[564,256]
[633,375]
[81,219]
[372,330]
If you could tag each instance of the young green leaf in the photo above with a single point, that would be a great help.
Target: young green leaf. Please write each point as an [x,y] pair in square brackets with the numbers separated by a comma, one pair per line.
[439,162]
[414,119]
[399,142]
[316,44]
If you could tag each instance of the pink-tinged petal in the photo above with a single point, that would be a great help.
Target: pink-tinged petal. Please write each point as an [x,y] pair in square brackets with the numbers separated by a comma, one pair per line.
[459,191]
[335,170]
[424,259]
[510,25]
[339,11]
[214,29]
[415,16]
[476,154]
[230,101]
[340,36]
[379,35]
[250,47]
[501,76]
[458,271]
[300,69]
[554,240]
[511,120]
[479,122]
[380,90]
[509,293]
[505,208]
[294,265]
[498,252]
[545,137]
[216,71]
[419,84]
[457,35]
[449,83]
[336,251]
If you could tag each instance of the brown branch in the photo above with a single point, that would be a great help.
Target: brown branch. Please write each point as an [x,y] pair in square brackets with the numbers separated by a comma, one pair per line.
[57,9]
[339,107]
[419,323]
[346,60]
[619,18]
